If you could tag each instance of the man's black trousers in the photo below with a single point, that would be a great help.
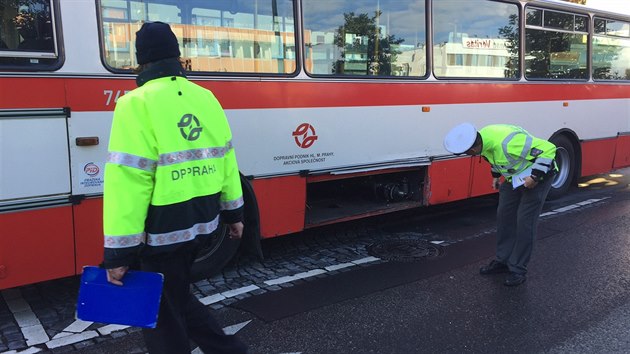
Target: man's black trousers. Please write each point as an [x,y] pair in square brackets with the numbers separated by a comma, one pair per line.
[182,317]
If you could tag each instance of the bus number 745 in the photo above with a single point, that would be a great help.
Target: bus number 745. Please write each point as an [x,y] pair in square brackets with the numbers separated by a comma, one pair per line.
[110,94]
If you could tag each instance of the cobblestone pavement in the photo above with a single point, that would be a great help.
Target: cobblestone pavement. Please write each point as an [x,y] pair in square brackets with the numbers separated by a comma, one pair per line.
[48,308]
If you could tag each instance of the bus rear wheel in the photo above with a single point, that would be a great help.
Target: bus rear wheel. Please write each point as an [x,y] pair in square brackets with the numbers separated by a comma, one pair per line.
[215,254]
[565,159]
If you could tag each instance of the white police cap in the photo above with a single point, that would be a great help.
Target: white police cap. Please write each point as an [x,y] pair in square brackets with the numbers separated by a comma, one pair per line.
[460,138]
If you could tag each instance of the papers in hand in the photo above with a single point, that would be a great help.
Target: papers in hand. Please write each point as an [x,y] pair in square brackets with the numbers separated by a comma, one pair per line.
[136,303]
[519,179]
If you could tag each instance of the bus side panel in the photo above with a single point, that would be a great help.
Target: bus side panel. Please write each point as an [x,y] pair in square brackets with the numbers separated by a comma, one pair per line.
[20,93]
[622,152]
[88,226]
[36,245]
[449,180]
[90,95]
[598,156]
[282,205]
[481,178]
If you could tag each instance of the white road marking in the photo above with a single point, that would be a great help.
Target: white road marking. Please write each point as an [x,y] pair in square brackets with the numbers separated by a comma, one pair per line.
[111,328]
[229,330]
[78,326]
[339,266]
[294,277]
[212,299]
[572,206]
[314,272]
[566,208]
[282,280]
[227,294]
[30,350]
[591,201]
[366,260]
[71,339]
[233,329]
[61,335]
[30,326]
[79,337]
[239,291]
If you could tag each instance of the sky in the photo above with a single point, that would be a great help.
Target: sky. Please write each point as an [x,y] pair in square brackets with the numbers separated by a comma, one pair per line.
[622,6]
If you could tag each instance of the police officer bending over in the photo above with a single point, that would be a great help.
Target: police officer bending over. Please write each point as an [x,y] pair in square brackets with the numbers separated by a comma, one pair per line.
[171,172]
[527,164]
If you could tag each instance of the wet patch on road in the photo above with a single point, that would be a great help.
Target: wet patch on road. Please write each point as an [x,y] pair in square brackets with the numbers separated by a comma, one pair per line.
[405,250]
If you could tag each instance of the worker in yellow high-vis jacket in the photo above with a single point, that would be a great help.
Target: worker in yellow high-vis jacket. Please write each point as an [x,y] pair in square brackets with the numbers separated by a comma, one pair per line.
[171,175]
[528,167]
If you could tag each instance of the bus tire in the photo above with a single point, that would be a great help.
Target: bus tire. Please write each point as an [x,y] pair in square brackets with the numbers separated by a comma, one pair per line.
[215,254]
[565,159]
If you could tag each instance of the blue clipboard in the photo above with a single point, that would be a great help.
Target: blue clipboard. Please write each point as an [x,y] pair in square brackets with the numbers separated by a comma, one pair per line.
[135,303]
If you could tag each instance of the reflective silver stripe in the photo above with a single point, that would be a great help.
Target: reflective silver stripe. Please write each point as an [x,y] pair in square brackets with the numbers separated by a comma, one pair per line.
[185,235]
[512,162]
[129,160]
[542,164]
[232,204]
[193,155]
[524,153]
[544,161]
[124,241]
[520,163]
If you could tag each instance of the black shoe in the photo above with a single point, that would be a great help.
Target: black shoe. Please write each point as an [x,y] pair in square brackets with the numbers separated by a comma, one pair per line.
[515,279]
[495,267]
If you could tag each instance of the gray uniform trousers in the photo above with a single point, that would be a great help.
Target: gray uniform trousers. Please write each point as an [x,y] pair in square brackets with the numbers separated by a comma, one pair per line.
[517,222]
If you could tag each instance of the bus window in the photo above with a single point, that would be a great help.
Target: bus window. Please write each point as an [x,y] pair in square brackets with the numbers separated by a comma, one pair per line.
[27,34]
[475,38]
[611,50]
[555,45]
[365,38]
[230,36]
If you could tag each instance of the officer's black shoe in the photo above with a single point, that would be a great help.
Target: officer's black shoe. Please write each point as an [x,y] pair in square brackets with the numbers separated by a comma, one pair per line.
[515,279]
[495,267]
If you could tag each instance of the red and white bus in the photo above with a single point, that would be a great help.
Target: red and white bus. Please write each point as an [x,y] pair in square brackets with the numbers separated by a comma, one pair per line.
[338,108]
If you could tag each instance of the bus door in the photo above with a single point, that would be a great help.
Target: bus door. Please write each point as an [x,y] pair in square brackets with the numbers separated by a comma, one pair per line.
[89,134]
[36,234]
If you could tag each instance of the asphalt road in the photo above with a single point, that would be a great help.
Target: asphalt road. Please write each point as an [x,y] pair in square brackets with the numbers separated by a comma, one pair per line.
[576,298]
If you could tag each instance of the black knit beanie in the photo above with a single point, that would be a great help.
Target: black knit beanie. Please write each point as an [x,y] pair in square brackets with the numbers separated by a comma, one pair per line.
[155,41]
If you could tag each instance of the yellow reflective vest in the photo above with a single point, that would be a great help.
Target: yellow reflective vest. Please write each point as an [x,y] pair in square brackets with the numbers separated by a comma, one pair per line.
[511,150]
[171,169]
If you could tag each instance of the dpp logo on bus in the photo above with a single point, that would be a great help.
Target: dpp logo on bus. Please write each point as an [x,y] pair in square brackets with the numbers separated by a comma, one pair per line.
[91,169]
[304,135]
